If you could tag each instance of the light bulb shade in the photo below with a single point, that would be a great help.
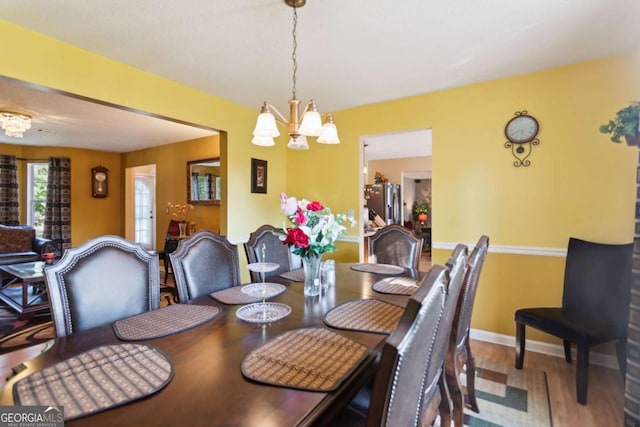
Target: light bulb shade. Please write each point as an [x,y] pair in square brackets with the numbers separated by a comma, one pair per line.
[266,126]
[298,143]
[311,124]
[15,124]
[329,134]
[263,141]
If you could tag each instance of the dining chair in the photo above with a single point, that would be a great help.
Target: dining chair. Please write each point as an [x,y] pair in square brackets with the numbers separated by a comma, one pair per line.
[459,353]
[595,306]
[409,387]
[397,245]
[275,251]
[204,262]
[103,280]
[170,244]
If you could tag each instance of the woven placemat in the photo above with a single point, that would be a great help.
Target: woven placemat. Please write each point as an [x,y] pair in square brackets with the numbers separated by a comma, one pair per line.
[234,296]
[294,275]
[96,380]
[366,315]
[397,286]
[378,268]
[163,321]
[314,359]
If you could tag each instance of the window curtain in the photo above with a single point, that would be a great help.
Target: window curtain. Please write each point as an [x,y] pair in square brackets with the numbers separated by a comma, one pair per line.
[9,201]
[57,214]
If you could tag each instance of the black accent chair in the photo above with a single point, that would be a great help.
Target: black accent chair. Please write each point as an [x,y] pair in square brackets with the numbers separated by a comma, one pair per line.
[275,251]
[459,346]
[397,245]
[595,306]
[106,279]
[409,387]
[205,262]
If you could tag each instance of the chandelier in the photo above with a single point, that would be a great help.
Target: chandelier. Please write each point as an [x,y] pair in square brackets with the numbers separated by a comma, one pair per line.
[311,124]
[14,124]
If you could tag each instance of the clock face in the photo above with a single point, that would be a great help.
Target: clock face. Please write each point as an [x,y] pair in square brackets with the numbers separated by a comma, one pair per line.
[101,176]
[521,129]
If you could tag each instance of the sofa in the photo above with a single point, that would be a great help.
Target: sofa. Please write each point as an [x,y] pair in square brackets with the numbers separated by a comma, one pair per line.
[19,243]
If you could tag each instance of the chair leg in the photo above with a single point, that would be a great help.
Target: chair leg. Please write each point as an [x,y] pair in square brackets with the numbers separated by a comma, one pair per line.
[567,350]
[582,373]
[444,408]
[520,340]
[455,390]
[471,377]
[621,352]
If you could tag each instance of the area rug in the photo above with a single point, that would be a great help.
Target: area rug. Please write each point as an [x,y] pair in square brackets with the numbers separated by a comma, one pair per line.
[16,334]
[509,397]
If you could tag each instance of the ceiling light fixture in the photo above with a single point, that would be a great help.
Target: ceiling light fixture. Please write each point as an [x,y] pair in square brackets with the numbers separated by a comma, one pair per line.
[15,124]
[311,125]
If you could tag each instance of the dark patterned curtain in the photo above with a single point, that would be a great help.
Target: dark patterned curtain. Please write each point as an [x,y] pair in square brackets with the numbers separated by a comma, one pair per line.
[57,215]
[9,201]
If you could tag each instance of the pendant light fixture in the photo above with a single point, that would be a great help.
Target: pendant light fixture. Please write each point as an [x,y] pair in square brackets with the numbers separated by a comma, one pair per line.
[14,124]
[311,124]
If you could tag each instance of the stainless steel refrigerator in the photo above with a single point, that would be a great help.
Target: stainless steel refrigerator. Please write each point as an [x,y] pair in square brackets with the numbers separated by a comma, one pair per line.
[384,199]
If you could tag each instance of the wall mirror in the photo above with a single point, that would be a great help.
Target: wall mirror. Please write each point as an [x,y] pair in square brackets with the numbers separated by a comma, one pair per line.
[203,181]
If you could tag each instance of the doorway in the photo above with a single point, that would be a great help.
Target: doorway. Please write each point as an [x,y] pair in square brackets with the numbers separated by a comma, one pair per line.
[140,205]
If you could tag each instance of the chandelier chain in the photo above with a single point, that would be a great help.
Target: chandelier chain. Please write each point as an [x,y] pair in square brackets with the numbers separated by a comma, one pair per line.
[295,46]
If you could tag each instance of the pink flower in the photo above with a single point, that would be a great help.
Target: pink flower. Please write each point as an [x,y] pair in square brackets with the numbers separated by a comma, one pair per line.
[289,205]
[301,218]
[296,237]
[315,206]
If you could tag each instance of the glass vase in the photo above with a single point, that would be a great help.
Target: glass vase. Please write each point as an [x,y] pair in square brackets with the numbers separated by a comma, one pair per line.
[182,226]
[311,266]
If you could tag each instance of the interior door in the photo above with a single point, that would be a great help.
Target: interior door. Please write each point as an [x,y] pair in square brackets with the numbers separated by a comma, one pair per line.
[144,210]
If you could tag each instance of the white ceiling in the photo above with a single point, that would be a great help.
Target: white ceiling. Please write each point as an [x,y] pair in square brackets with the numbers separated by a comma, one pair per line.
[350,52]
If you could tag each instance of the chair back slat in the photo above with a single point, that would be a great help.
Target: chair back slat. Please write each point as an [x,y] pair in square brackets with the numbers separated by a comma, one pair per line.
[204,262]
[106,279]
[275,251]
[396,245]
[597,283]
[413,355]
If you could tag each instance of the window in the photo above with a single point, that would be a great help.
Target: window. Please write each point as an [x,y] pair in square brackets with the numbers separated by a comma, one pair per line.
[37,195]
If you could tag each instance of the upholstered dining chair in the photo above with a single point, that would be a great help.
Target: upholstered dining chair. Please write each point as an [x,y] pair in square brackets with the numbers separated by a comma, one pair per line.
[595,306]
[275,252]
[397,245]
[459,353]
[409,387]
[204,262]
[103,280]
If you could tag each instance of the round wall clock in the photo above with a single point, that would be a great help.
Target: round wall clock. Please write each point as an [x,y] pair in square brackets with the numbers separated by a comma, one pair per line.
[100,182]
[522,128]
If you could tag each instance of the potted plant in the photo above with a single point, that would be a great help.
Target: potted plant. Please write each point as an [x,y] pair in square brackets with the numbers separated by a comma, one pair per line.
[421,210]
[625,124]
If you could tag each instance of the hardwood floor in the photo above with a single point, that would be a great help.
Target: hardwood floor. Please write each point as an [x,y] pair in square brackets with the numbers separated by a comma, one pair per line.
[605,399]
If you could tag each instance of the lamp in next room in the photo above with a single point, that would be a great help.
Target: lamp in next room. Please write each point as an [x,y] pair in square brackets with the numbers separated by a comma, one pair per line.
[15,124]
[311,124]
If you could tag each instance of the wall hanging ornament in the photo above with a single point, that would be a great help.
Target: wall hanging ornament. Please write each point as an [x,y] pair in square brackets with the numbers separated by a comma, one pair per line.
[521,133]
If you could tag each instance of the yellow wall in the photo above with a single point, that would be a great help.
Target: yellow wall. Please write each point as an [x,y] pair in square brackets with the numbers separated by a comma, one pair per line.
[47,62]
[90,217]
[579,184]
[171,180]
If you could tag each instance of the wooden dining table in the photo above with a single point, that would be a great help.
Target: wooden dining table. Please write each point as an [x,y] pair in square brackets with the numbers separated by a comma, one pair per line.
[208,388]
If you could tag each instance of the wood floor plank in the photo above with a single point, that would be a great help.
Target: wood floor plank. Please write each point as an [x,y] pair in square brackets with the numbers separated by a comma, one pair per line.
[605,399]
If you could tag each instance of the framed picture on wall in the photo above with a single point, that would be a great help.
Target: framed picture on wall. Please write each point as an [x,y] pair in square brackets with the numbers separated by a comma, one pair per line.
[258,176]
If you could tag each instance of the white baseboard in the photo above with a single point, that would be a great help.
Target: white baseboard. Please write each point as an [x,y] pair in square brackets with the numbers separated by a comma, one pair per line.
[600,359]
